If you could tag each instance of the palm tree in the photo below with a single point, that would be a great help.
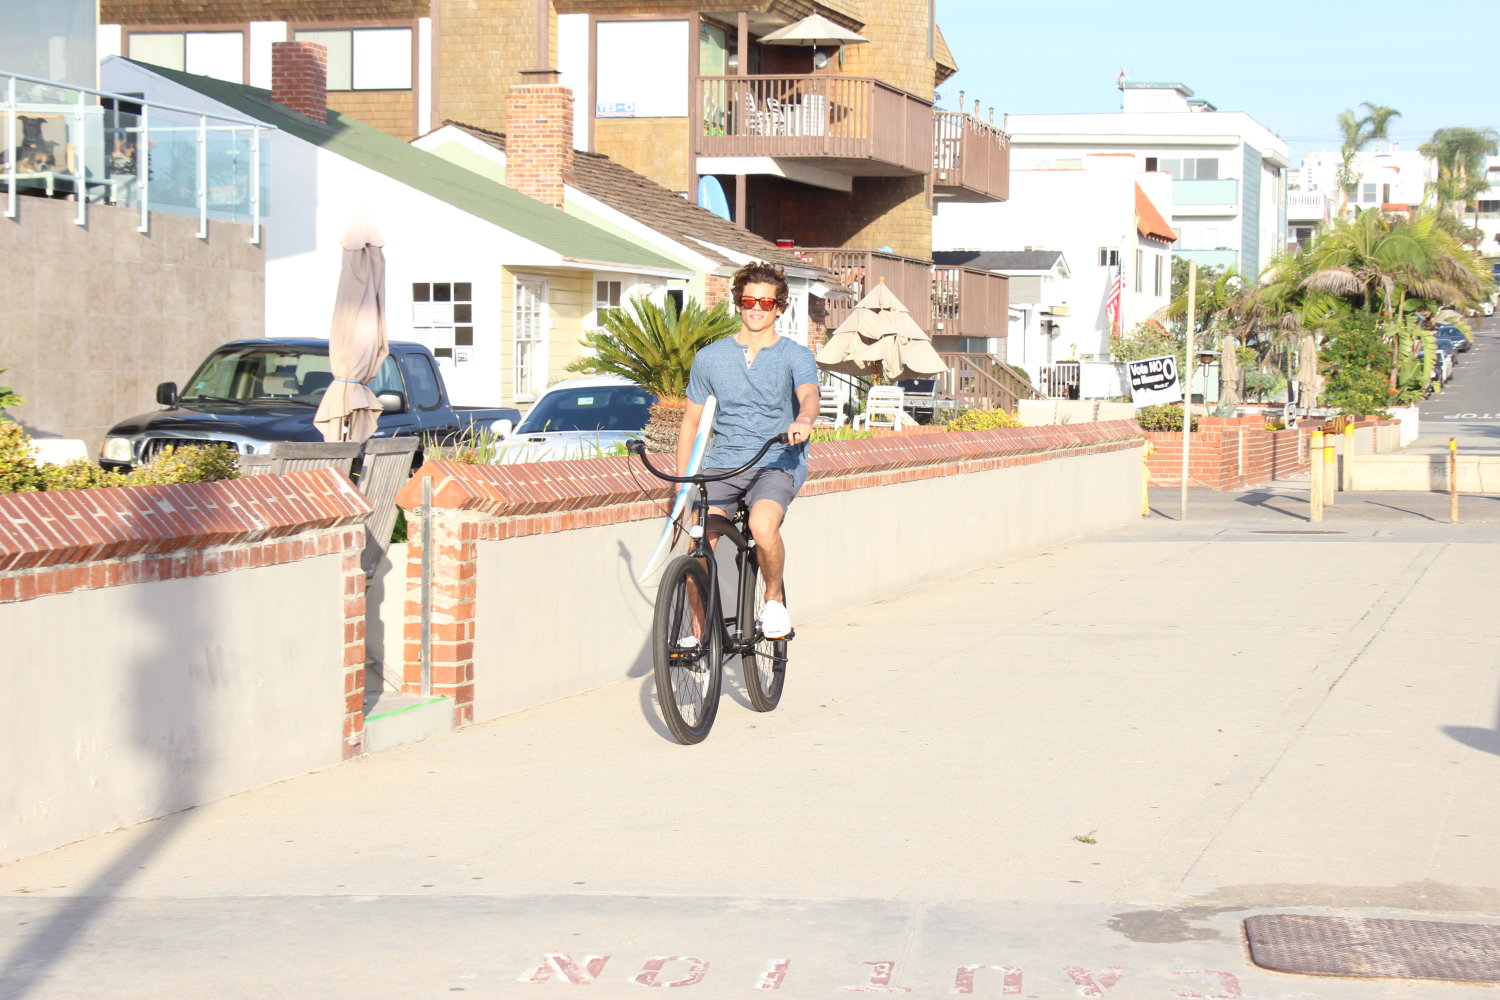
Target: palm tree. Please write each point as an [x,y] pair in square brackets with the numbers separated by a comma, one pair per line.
[1357,133]
[1460,154]
[654,346]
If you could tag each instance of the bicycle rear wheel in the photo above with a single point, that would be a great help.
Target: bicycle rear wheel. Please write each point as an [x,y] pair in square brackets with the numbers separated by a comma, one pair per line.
[764,665]
[686,649]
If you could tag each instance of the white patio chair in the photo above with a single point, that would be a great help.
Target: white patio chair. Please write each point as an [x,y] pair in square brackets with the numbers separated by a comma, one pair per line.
[830,407]
[883,408]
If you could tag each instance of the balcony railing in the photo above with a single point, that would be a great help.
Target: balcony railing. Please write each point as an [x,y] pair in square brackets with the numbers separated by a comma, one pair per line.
[969,303]
[852,125]
[970,158]
[983,381]
[102,148]
[909,279]
[1221,192]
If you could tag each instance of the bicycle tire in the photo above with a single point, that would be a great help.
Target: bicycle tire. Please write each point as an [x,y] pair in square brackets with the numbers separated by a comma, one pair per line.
[687,681]
[764,666]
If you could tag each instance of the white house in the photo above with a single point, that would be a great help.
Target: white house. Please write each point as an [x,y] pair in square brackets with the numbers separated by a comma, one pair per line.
[1228,202]
[1103,217]
[1387,176]
[497,284]
[614,198]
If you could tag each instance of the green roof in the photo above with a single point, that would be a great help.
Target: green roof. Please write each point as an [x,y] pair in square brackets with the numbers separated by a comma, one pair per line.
[463,189]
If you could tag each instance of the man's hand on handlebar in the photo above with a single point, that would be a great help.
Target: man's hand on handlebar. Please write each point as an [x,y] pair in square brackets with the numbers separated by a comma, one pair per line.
[799,431]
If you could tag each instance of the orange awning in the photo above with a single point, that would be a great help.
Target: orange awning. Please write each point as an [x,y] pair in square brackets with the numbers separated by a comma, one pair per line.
[1148,220]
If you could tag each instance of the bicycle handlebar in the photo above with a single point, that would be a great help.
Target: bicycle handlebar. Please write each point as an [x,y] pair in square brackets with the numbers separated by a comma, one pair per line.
[637,448]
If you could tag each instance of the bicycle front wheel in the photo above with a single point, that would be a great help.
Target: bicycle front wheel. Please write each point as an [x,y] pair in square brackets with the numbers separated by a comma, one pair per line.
[686,649]
[764,664]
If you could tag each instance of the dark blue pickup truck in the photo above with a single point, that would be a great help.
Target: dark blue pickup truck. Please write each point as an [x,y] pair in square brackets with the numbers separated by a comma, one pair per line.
[252,393]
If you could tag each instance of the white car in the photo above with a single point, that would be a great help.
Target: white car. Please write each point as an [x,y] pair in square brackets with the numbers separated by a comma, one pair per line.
[579,418]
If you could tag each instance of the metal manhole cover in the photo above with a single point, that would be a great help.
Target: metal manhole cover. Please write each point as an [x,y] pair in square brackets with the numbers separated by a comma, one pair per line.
[1295,531]
[1355,946]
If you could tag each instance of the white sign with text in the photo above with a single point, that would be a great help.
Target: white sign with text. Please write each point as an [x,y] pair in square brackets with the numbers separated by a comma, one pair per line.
[1154,380]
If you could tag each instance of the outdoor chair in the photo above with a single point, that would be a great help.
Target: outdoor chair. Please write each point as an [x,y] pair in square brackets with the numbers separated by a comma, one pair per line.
[296,456]
[830,407]
[384,468]
[883,408]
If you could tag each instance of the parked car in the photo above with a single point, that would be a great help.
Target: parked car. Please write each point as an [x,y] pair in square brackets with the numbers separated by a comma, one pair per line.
[250,394]
[580,418]
[1452,337]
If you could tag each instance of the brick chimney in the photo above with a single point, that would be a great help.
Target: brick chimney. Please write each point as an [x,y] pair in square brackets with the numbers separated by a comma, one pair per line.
[539,140]
[299,78]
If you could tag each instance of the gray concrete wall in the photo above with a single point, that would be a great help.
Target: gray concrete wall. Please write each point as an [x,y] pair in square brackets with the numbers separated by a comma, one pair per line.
[1046,412]
[563,614]
[131,702]
[93,318]
[1476,473]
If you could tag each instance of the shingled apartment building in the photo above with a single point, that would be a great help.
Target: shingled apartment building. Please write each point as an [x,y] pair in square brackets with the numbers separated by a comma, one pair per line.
[836,149]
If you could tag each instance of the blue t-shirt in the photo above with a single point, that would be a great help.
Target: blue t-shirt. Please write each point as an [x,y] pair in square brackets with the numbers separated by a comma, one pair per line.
[756,401]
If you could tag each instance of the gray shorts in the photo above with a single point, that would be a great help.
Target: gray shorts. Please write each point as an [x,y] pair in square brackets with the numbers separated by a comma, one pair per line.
[749,486]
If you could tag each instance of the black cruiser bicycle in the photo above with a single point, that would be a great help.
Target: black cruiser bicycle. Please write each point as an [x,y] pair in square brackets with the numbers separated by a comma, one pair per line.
[692,630]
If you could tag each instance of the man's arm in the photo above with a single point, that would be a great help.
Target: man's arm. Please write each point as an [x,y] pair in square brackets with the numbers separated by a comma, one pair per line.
[690,417]
[807,411]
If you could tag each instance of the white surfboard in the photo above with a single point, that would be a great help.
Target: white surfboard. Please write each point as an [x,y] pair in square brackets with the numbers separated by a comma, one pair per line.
[695,460]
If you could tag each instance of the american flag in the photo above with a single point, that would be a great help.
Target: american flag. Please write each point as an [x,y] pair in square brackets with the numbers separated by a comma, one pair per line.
[1112,303]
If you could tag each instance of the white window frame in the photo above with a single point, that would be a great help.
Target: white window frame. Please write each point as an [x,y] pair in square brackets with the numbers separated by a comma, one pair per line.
[529,352]
[351,56]
[436,323]
[209,63]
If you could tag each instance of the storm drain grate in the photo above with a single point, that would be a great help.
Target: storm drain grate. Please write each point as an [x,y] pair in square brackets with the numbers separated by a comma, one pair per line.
[1355,946]
[1295,531]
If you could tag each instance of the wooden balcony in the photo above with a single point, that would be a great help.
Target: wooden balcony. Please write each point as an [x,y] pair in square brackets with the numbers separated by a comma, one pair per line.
[970,159]
[909,279]
[849,125]
[969,303]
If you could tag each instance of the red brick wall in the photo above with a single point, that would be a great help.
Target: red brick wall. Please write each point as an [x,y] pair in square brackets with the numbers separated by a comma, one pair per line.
[299,78]
[1227,453]
[539,141]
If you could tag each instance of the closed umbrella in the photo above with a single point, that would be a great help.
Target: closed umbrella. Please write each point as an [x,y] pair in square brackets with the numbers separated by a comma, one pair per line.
[357,343]
[1309,382]
[879,337]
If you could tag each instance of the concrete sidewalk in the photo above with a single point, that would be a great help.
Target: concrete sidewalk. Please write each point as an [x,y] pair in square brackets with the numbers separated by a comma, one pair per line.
[1070,775]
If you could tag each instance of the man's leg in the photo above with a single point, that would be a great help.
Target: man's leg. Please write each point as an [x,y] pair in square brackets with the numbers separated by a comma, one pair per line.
[765,527]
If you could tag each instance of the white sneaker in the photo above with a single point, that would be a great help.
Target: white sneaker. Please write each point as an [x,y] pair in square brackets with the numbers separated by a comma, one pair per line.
[775,622]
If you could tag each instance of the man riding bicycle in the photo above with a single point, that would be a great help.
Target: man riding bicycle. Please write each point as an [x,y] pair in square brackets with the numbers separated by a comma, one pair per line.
[766,385]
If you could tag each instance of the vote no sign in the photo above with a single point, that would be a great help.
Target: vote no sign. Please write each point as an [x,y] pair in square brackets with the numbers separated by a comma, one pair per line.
[1154,380]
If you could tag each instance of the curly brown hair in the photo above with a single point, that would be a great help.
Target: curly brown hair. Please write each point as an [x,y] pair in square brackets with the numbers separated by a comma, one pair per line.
[761,273]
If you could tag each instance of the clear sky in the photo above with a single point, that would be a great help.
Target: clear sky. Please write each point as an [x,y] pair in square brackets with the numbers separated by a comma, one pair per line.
[1292,66]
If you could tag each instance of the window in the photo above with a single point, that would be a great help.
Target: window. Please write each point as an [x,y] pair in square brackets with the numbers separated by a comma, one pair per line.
[365,58]
[1156,284]
[1140,270]
[1190,169]
[530,338]
[1367,194]
[606,295]
[422,383]
[628,86]
[443,312]
[219,54]
[677,295]
[1109,257]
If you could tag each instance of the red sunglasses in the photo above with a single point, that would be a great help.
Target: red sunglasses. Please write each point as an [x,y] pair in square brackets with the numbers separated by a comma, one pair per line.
[746,302]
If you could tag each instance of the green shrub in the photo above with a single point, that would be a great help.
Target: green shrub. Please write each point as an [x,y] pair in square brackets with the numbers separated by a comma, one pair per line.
[188,464]
[8,397]
[1162,417]
[839,434]
[79,474]
[19,472]
[984,420]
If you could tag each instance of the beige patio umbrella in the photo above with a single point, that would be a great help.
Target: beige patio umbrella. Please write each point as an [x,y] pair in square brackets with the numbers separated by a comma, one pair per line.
[879,337]
[815,30]
[357,343]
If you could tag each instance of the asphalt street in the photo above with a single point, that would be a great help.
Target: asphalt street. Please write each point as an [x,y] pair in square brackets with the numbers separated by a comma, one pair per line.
[1468,408]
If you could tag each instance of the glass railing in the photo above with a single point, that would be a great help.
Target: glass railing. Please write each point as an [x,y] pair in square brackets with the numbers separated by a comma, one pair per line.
[116,149]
